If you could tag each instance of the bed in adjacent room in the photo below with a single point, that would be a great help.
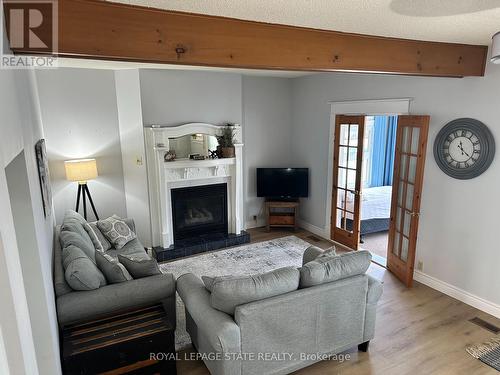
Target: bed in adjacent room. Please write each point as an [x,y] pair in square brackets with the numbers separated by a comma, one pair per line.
[375,209]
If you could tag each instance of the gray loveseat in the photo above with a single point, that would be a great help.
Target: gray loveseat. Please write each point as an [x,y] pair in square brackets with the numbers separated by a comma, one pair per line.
[300,326]
[75,306]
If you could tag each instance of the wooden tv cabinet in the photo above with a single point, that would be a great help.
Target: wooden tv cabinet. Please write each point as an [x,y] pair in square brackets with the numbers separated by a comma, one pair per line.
[282,214]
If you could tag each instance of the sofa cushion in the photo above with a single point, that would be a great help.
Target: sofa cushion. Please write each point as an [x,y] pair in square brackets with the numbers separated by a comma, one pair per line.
[73,222]
[139,265]
[333,267]
[80,271]
[231,291]
[113,270]
[116,231]
[100,242]
[70,238]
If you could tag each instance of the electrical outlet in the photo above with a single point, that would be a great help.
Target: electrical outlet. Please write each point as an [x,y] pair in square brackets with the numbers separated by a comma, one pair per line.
[138,160]
[420,265]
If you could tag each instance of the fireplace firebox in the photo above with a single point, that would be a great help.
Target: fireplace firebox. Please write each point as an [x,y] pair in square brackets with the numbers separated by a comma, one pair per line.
[199,210]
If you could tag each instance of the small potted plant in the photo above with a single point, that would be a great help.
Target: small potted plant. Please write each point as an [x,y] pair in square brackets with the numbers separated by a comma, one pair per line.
[226,142]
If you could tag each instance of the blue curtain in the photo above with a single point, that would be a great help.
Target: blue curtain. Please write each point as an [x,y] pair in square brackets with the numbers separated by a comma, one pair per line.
[384,142]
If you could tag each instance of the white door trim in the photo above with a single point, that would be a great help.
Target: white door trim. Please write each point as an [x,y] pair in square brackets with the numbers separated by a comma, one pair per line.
[398,106]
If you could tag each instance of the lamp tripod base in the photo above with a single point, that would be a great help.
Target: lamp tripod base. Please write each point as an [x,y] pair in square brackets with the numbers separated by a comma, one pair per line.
[84,193]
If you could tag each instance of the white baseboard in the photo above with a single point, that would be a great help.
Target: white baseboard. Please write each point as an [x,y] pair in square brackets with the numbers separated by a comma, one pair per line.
[255,223]
[457,293]
[314,229]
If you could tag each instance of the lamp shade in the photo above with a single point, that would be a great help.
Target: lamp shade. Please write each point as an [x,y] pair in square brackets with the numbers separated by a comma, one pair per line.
[81,170]
[495,49]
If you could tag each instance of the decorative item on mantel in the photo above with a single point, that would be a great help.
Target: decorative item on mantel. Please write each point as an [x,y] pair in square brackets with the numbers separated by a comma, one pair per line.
[226,142]
[169,155]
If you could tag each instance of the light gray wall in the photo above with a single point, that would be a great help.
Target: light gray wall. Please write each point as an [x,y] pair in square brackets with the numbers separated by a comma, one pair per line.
[80,120]
[262,105]
[267,119]
[459,219]
[128,96]
[173,97]
[21,128]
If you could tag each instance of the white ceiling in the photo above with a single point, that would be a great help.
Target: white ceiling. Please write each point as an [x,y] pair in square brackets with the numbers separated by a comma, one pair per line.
[460,21]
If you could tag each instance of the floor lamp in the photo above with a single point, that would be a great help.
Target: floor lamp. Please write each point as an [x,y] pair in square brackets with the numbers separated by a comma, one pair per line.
[82,171]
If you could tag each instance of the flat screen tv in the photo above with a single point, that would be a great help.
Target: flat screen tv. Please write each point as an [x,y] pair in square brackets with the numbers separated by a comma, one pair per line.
[282,183]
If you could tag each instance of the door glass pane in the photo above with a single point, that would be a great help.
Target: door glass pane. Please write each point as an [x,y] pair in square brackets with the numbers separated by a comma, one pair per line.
[400,193]
[406,139]
[342,156]
[404,249]
[350,201]
[351,179]
[353,157]
[409,197]
[339,219]
[395,247]
[415,140]
[353,135]
[341,198]
[406,226]
[403,167]
[398,218]
[344,134]
[341,180]
[412,169]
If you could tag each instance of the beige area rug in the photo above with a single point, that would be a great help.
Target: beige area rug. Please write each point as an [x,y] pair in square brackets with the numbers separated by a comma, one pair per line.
[242,260]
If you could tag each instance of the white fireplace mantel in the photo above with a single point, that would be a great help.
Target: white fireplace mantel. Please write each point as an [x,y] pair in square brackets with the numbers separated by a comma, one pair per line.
[165,176]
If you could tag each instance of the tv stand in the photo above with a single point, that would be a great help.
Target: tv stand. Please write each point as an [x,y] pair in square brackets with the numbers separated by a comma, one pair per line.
[282,213]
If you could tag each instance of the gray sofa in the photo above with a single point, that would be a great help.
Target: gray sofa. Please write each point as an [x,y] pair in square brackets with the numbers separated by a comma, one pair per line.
[310,321]
[75,306]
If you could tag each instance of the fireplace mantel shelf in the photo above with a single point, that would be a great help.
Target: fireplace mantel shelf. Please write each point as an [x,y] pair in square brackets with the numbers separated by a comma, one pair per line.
[187,163]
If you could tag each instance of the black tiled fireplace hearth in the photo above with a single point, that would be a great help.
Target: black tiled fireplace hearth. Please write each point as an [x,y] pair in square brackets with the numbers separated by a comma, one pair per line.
[200,222]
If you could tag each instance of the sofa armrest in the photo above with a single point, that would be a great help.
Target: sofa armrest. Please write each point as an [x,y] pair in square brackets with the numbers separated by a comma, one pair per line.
[218,327]
[375,288]
[82,305]
[372,297]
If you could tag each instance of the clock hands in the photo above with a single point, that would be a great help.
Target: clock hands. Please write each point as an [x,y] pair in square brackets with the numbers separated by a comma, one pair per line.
[460,146]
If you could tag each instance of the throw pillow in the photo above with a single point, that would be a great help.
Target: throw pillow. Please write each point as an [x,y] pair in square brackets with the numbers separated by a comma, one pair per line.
[113,270]
[80,271]
[325,269]
[228,292]
[139,265]
[67,238]
[116,231]
[100,242]
[313,252]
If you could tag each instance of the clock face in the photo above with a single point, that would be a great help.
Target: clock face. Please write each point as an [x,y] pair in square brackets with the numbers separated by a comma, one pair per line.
[464,148]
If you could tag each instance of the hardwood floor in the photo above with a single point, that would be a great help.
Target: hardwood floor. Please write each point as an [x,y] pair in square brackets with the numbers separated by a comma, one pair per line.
[418,331]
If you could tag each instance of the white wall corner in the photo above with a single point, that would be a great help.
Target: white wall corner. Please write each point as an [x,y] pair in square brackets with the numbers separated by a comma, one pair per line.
[457,293]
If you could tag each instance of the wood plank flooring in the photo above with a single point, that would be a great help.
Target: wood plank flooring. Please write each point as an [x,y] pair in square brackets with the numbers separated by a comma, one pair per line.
[418,331]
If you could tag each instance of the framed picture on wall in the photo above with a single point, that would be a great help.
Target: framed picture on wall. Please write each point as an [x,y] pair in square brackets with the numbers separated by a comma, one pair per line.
[44,176]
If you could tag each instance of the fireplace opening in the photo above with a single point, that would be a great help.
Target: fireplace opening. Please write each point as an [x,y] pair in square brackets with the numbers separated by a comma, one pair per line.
[199,210]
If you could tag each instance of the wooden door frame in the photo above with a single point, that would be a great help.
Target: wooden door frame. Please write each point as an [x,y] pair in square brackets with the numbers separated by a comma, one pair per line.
[343,234]
[367,107]
[401,266]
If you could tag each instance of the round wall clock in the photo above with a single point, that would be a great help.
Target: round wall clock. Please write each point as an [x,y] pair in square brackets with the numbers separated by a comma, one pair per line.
[464,148]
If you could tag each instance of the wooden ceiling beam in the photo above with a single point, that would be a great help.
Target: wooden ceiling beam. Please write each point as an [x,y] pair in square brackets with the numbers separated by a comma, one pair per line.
[103,30]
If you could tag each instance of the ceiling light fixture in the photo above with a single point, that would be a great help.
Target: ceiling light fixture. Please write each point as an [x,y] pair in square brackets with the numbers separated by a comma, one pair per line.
[495,49]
